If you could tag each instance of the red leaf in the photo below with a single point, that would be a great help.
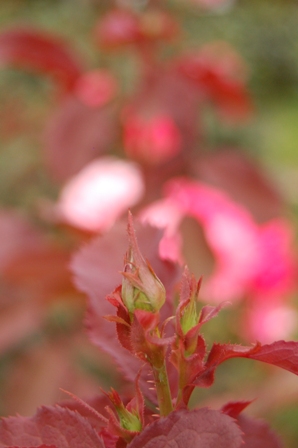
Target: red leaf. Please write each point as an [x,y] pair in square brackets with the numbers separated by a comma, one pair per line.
[209,312]
[50,426]
[257,434]
[43,273]
[218,74]
[90,409]
[234,172]
[281,354]
[202,428]
[18,317]
[39,446]
[18,237]
[77,134]
[38,51]
[231,98]
[234,408]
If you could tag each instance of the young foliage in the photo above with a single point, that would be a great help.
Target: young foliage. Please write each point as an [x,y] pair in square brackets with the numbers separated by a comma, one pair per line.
[204,428]
[50,426]
[151,332]
[152,339]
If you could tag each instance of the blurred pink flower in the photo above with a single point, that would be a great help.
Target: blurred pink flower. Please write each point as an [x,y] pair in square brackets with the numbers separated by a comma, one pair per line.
[95,88]
[276,270]
[167,215]
[251,261]
[103,190]
[270,323]
[258,258]
[120,28]
[151,140]
[230,233]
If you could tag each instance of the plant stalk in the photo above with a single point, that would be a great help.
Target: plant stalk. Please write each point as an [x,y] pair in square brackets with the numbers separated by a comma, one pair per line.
[163,390]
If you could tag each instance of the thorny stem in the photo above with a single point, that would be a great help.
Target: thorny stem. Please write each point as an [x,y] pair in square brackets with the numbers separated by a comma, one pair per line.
[163,390]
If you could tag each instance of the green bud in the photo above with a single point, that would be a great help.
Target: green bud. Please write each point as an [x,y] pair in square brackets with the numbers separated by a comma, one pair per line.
[128,420]
[189,297]
[189,318]
[141,288]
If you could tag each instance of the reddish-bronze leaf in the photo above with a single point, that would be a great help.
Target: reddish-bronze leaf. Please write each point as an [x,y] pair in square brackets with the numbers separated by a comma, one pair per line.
[39,446]
[209,312]
[234,408]
[281,354]
[77,134]
[90,410]
[257,434]
[218,74]
[42,272]
[38,51]
[202,428]
[18,236]
[53,426]
[233,171]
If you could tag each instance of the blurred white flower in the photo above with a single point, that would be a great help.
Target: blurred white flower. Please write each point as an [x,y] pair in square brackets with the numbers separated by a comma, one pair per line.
[99,194]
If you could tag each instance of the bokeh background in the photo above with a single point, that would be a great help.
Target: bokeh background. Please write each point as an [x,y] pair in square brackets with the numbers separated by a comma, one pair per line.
[43,345]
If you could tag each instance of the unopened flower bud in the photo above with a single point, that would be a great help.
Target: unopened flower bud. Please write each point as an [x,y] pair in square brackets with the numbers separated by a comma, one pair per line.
[190,290]
[129,420]
[141,288]
[189,318]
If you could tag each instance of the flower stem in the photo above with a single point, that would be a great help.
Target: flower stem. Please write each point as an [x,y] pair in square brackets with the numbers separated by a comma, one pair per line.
[162,390]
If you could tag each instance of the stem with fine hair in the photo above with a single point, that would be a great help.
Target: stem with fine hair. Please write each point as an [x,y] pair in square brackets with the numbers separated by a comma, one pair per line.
[162,389]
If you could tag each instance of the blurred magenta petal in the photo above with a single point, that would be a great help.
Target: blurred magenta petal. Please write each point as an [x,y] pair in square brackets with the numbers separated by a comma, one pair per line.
[267,323]
[100,193]
[230,233]
[165,214]
[277,268]
[151,140]
[250,260]
[163,112]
